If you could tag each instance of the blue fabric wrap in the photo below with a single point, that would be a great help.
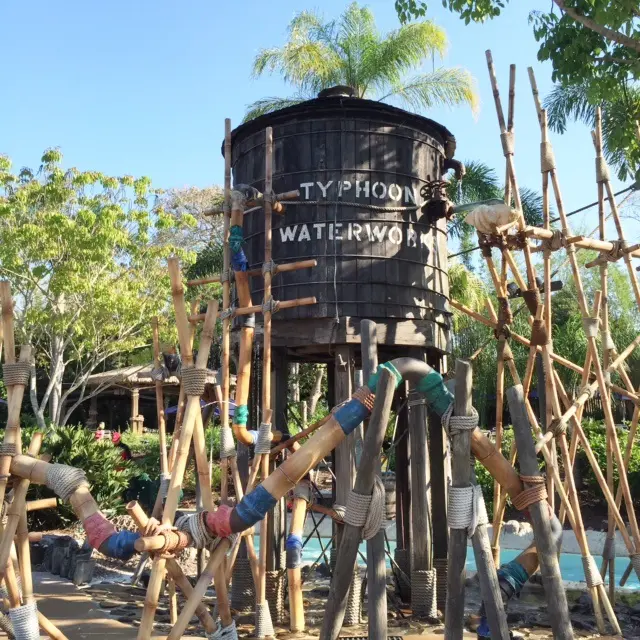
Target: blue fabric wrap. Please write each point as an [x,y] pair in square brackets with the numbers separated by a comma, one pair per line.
[120,545]
[438,397]
[483,630]
[351,414]
[372,383]
[294,551]
[514,574]
[241,414]
[255,505]
[239,261]
[254,436]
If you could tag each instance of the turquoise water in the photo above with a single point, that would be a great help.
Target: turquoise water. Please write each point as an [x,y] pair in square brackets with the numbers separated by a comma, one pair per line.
[570,564]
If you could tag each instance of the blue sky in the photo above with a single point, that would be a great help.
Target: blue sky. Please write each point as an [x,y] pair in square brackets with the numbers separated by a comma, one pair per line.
[143,87]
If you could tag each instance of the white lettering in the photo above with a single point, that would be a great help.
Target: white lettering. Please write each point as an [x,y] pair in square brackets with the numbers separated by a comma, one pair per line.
[324,187]
[424,239]
[396,232]
[345,185]
[306,186]
[356,233]
[367,228]
[409,195]
[331,231]
[338,226]
[398,192]
[359,189]
[411,237]
[383,186]
[304,233]
[288,234]
[379,232]
[319,226]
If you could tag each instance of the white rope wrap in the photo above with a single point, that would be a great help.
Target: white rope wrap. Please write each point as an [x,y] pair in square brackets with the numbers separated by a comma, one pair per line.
[227,443]
[591,572]
[263,443]
[547,159]
[607,341]
[466,508]
[194,524]
[227,313]
[226,275]
[25,622]
[264,625]
[303,490]
[590,326]
[423,593]
[270,306]
[3,589]
[224,633]
[165,480]
[269,267]
[635,563]
[456,424]
[367,512]
[602,170]
[64,480]
[508,143]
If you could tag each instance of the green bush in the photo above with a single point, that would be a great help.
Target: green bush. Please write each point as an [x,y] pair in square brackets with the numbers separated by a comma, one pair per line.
[108,474]
[146,450]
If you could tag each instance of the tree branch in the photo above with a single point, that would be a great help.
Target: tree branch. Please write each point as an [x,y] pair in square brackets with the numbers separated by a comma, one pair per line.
[590,23]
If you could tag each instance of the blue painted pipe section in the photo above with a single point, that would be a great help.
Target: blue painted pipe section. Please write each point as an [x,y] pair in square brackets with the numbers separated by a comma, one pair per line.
[438,397]
[120,545]
[351,414]
[294,551]
[239,261]
[254,435]
[372,383]
[255,505]
[514,575]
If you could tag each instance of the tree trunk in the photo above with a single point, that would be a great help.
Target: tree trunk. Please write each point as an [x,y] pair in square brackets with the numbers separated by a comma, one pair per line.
[316,391]
[33,396]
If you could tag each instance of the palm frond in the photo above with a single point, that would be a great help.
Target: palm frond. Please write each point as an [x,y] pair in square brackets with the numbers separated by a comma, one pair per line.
[443,87]
[531,206]
[267,105]
[569,103]
[466,287]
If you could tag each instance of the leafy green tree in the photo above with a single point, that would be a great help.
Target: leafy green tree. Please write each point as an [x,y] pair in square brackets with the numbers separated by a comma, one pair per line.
[81,251]
[351,51]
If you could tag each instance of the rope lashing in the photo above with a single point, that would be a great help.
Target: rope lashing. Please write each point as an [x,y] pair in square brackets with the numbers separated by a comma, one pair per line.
[165,481]
[365,396]
[587,390]
[556,242]
[270,306]
[16,373]
[508,143]
[466,509]
[557,427]
[547,159]
[455,424]
[607,341]
[365,511]
[485,245]
[194,380]
[8,449]
[228,313]
[531,298]
[635,562]
[224,633]
[227,443]
[423,593]
[609,548]
[269,267]
[64,480]
[358,205]
[25,622]
[590,326]
[505,317]
[263,443]
[507,354]
[591,572]
[539,334]
[195,525]
[264,625]
[537,492]
[602,170]
[303,490]
[227,275]
[617,251]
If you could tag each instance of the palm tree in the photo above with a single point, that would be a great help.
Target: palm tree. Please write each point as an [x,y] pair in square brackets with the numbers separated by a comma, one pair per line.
[620,116]
[351,51]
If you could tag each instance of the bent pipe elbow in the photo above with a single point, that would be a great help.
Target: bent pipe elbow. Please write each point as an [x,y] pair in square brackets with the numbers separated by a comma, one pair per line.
[255,505]
[242,434]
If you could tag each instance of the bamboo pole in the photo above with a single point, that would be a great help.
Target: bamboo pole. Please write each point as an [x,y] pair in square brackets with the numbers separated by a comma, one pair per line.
[247,311]
[162,427]
[541,522]
[294,574]
[284,267]
[352,535]
[177,473]
[376,568]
